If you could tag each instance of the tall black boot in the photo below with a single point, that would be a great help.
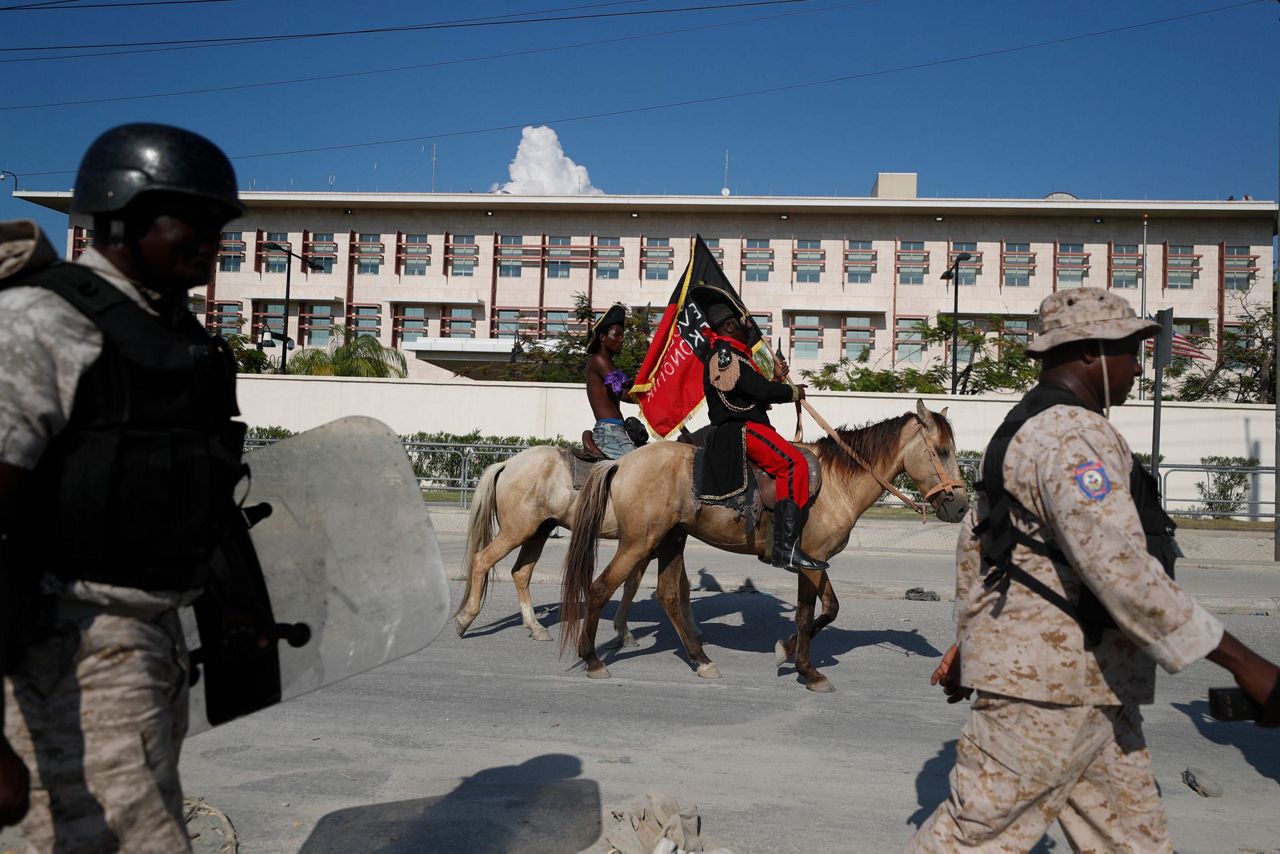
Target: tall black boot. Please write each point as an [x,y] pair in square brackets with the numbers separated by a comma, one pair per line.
[788,524]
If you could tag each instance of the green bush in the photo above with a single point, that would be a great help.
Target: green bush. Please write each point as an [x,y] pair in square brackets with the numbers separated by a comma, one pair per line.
[1224,492]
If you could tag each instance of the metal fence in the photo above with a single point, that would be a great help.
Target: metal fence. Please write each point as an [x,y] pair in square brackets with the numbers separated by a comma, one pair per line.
[449,472]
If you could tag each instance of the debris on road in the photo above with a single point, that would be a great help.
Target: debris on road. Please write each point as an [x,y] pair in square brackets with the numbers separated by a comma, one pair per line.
[659,824]
[919,594]
[1201,783]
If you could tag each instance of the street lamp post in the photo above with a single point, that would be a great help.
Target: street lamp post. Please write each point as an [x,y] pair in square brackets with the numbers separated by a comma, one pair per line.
[952,275]
[288,284]
[13,175]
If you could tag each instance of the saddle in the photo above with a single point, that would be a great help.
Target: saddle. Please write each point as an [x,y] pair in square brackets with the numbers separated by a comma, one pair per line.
[761,492]
[582,459]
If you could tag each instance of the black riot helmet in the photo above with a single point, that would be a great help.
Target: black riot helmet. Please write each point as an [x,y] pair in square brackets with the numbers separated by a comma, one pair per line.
[133,159]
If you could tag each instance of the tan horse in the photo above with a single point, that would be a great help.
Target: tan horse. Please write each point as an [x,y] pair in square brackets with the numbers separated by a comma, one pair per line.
[920,443]
[519,502]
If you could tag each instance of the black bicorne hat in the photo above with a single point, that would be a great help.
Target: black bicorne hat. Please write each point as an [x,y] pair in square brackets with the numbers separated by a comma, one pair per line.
[617,313]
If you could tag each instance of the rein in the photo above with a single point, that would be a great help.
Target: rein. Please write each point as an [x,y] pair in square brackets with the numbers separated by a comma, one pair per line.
[945,483]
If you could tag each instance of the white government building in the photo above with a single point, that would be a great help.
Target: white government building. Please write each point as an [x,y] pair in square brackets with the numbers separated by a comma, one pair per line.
[452,278]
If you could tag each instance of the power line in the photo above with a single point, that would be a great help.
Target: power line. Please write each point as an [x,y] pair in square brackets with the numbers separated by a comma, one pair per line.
[437,64]
[60,5]
[772,90]
[469,23]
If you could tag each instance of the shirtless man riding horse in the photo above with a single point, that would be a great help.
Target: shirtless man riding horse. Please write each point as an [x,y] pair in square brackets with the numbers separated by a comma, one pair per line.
[606,384]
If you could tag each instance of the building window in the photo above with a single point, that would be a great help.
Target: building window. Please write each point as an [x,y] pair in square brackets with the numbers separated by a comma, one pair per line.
[717,252]
[859,262]
[510,256]
[858,335]
[908,339]
[508,323]
[320,253]
[764,322]
[268,317]
[415,254]
[316,324]
[273,260]
[757,259]
[964,350]
[1017,262]
[1071,265]
[231,252]
[806,336]
[1239,267]
[1015,330]
[460,255]
[910,274]
[1126,265]
[608,254]
[913,262]
[196,305]
[809,260]
[408,324]
[368,252]
[558,254]
[557,322]
[224,318]
[808,273]
[366,320]
[656,257]
[967,272]
[458,322]
[1182,265]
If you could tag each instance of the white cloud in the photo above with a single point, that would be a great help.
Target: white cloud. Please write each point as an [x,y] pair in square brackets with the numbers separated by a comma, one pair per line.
[540,168]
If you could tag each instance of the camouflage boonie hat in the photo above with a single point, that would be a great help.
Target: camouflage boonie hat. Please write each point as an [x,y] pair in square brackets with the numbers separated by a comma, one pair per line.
[1087,314]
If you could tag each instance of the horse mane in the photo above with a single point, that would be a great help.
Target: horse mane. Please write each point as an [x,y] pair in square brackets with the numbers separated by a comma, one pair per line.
[875,443]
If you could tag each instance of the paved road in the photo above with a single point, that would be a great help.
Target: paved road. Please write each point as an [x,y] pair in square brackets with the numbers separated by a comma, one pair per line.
[492,743]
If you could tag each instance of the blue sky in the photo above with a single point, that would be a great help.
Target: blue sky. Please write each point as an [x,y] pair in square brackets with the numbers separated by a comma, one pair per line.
[1185,109]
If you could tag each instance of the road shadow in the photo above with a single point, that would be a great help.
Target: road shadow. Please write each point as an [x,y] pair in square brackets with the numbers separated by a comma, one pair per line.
[765,619]
[933,786]
[933,783]
[1259,747]
[538,806]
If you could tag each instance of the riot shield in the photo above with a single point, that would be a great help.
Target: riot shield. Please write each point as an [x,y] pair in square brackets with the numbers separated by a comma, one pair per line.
[348,550]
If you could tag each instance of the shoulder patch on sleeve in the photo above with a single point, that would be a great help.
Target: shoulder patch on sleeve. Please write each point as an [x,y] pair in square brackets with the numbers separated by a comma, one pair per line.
[1093,481]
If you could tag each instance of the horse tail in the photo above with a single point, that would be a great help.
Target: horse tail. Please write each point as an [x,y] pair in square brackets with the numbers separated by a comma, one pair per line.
[482,526]
[580,562]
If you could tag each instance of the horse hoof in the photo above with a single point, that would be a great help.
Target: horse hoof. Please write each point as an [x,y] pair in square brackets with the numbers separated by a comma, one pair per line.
[539,633]
[625,639]
[709,670]
[460,627]
[597,671]
[780,655]
[821,685]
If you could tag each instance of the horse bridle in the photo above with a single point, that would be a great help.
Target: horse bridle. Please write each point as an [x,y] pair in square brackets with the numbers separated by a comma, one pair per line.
[946,483]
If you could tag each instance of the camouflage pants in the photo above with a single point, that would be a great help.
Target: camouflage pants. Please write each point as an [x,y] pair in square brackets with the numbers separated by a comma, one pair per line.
[1020,765]
[98,712]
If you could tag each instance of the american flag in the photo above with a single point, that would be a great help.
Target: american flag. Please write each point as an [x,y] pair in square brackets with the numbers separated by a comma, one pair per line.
[1182,346]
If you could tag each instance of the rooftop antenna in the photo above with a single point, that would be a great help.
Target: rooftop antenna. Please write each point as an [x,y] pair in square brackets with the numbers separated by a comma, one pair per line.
[724,189]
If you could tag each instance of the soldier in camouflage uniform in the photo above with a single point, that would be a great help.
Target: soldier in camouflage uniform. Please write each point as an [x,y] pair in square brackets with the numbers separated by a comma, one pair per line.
[1065,602]
[95,690]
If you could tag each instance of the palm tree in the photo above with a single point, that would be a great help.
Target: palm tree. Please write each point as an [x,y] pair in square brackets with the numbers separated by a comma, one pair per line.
[350,353]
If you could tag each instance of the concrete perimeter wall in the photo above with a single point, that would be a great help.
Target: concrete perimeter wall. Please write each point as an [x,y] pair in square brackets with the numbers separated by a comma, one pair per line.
[1190,430]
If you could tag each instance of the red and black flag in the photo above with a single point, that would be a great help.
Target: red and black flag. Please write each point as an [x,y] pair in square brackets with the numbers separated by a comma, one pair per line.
[669,383]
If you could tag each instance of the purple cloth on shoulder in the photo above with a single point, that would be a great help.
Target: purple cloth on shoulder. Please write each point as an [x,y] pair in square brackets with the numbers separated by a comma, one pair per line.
[616,380]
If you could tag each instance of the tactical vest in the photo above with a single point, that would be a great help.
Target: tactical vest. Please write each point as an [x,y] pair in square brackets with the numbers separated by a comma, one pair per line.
[136,489]
[999,535]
